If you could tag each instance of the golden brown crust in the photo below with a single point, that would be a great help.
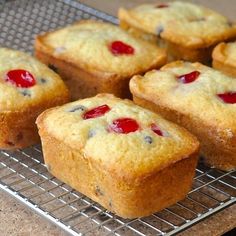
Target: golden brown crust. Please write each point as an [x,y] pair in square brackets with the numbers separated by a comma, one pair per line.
[138,32]
[86,83]
[179,26]
[127,199]
[178,52]
[221,61]
[66,123]
[18,128]
[179,46]
[201,112]
[139,177]
[216,147]
[86,80]
[20,106]
[174,51]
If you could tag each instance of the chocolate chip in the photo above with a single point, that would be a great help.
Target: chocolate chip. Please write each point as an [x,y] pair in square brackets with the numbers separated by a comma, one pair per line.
[52,67]
[19,136]
[26,93]
[91,133]
[148,139]
[98,191]
[160,29]
[78,108]
[42,80]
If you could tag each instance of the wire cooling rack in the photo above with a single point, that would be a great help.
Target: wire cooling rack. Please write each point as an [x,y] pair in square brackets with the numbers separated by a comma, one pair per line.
[23,174]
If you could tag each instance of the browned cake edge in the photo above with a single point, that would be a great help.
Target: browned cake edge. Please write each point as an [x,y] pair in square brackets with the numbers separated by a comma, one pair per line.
[219,61]
[217,149]
[130,198]
[89,82]
[174,51]
[18,128]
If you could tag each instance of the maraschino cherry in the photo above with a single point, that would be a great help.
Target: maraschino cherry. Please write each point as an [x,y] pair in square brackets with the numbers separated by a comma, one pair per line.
[20,78]
[96,112]
[124,125]
[156,129]
[189,78]
[120,48]
[229,97]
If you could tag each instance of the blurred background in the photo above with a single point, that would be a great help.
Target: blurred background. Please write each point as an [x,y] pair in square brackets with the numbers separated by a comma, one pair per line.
[226,7]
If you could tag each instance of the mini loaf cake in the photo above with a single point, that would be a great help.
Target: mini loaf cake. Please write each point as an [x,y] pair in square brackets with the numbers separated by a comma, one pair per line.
[188,31]
[27,87]
[198,98]
[94,57]
[128,159]
[224,58]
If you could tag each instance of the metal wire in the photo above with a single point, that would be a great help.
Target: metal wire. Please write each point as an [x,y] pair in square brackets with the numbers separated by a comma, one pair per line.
[23,174]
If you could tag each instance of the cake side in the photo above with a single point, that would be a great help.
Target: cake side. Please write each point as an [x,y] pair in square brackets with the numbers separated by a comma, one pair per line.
[196,105]
[185,24]
[224,58]
[213,141]
[84,83]
[18,128]
[27,87]
[87,44]
[174,51]
[137,181]
[86,56]
[38,83]
[127,200]
[88,134]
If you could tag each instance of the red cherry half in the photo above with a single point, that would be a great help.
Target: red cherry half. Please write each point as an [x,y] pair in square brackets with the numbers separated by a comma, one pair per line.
[21,78]
[189,78]
[156,129]
[120,48]
[229,97]
[124,126]
[96,112]
[163,5]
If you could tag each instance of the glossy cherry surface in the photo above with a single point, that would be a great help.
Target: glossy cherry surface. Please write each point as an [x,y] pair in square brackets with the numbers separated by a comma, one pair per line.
[96,112]
[156,129]
[229,97]
[120,48]
[21,78]
[124,125]
[189,78]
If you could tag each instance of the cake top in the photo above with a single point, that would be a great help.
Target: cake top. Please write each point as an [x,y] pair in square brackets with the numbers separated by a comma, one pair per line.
[182,23]
[226,53]
[24,81]
[101,47]
[192,89]
[124,138]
